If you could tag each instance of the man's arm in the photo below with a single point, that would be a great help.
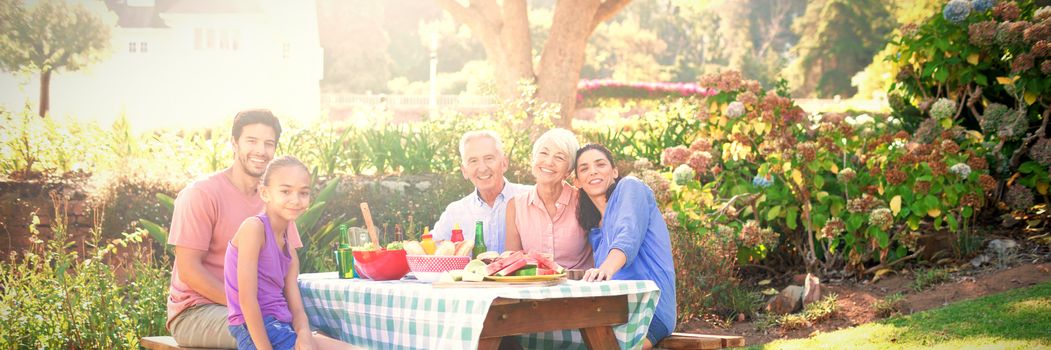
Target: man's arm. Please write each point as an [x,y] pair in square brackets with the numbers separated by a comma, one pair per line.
[192,271]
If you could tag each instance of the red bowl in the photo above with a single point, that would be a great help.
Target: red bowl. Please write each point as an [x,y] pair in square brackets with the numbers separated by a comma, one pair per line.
[381,265]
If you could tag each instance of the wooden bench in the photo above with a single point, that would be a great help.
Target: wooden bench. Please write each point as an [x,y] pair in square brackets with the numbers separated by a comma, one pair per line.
[163,343]
[685,341]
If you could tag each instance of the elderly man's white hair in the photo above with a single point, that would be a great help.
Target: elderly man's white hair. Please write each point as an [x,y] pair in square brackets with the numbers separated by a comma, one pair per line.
[563,139]
[477,134]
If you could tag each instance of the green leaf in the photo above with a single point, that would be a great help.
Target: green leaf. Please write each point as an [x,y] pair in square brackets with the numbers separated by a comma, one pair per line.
[931,202]
[981,80]
[790,218]
[819,182]
[854,222]
[914,222]
[1029,167]
[305,223]
[157,232]
[330,188]
[941,75]
[953,224]
[773,213]
[881,237]
[967,212]
[166,201]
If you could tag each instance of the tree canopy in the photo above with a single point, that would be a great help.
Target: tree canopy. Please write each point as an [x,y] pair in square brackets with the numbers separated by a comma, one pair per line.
[49,36]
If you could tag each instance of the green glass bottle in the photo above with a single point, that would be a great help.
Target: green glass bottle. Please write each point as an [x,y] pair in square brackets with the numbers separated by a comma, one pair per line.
[479,239]
[344,254]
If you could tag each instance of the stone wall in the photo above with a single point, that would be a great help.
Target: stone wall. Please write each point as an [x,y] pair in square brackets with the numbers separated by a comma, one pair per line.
[19,200]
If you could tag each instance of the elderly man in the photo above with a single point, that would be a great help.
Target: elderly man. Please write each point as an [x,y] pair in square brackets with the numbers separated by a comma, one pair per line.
[483,163]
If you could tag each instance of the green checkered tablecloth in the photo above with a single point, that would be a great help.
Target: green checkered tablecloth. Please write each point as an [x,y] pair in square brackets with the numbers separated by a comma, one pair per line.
[414,315]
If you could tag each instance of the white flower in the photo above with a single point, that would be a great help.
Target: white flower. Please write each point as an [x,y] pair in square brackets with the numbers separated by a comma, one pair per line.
[735,109]
[864,119]
[961,169]
[897,144]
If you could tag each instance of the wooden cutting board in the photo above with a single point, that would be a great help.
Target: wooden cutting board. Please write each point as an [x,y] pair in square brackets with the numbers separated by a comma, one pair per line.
[494,284]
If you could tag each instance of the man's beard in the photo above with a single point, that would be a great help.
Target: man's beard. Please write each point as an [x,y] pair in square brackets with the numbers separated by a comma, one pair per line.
[246,165]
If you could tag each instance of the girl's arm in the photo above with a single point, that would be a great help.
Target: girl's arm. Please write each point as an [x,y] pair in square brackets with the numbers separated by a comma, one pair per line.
[513,241]
[304,338]
[249,240]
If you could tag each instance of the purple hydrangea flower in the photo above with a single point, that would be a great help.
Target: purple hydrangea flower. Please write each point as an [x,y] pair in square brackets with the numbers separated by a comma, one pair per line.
[956,11]
[982,5]
[762,181]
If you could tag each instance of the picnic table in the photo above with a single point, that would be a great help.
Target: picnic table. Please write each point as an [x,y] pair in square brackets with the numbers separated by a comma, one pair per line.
[408,314]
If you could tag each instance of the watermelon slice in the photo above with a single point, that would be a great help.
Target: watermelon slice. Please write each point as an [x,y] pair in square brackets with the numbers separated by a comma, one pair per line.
[528,270]
[540,271]
[517,264]
[547,263]
[501,263]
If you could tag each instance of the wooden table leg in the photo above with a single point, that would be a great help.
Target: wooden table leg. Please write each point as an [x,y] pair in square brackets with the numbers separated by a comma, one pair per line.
[593,316]
[601,337]
[489,344]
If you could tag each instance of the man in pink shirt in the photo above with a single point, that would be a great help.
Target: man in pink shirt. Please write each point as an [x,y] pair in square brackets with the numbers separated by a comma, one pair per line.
[207,214]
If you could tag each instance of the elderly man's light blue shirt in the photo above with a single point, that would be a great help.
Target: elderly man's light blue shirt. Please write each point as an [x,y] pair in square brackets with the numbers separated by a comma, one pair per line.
[472,208]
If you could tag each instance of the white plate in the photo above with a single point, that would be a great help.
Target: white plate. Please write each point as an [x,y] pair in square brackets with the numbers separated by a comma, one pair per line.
[428,276]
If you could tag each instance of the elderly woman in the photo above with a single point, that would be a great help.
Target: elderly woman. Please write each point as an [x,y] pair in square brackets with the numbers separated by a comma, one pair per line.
[544,219]
[627,232]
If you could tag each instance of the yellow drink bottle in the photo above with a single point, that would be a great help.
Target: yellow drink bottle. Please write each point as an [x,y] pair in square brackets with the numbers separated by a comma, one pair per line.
[426,242]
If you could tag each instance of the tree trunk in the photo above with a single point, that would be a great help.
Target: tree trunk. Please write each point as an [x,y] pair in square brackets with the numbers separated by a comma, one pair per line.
[563,56]
[504,32]
[45,92]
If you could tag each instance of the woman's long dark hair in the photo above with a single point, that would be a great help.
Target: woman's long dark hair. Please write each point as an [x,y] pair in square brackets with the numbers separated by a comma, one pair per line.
[587,213]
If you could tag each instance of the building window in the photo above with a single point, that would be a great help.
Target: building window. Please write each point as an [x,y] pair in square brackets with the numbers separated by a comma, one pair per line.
[131,47]
[235,39]
[224,39]
[143,48]
[286,50]
[211,39]
[198,38]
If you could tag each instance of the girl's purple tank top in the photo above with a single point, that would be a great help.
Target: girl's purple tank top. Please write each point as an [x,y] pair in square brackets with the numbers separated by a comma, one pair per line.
[273,267]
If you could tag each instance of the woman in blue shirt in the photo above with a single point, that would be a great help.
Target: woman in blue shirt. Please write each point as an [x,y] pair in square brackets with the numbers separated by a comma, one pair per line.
[627,232]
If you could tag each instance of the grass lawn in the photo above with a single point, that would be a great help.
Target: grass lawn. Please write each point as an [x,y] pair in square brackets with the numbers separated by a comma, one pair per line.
[1017,319]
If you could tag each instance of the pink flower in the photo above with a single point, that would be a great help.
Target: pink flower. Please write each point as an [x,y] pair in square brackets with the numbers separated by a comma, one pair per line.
[675,156]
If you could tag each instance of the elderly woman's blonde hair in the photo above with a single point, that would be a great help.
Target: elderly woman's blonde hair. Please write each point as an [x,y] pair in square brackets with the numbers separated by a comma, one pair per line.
[564,140]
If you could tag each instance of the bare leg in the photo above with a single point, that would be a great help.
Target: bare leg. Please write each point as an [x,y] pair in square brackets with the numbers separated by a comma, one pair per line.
[323,342]
[646,344]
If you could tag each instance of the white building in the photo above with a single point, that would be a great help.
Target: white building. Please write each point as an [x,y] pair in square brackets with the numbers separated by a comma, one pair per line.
[191,63]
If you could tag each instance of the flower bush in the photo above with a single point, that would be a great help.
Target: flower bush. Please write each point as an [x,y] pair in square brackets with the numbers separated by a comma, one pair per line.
[985,66]
[844,192]
[590,90]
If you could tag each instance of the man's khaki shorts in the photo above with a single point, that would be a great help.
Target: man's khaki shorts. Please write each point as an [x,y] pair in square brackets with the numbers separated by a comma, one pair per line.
[203,326]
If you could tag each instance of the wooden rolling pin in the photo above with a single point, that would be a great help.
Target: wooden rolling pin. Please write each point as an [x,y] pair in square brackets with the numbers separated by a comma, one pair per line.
[369,226]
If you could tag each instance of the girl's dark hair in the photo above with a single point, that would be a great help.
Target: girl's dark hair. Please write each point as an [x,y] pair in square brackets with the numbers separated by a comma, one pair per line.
[587,213]
[281,162]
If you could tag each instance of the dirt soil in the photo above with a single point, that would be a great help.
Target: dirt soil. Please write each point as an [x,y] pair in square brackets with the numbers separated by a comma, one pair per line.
[855,300]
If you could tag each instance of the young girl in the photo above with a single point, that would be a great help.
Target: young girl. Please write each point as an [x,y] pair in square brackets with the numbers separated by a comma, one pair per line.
[266,310]
[627,233]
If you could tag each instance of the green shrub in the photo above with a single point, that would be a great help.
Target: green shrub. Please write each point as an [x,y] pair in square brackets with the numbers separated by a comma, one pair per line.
[928,278]
[812,313]
[889,305]
[53,298]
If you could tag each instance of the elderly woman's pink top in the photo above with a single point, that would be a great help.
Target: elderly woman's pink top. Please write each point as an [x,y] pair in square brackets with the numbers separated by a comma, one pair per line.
[559,235]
